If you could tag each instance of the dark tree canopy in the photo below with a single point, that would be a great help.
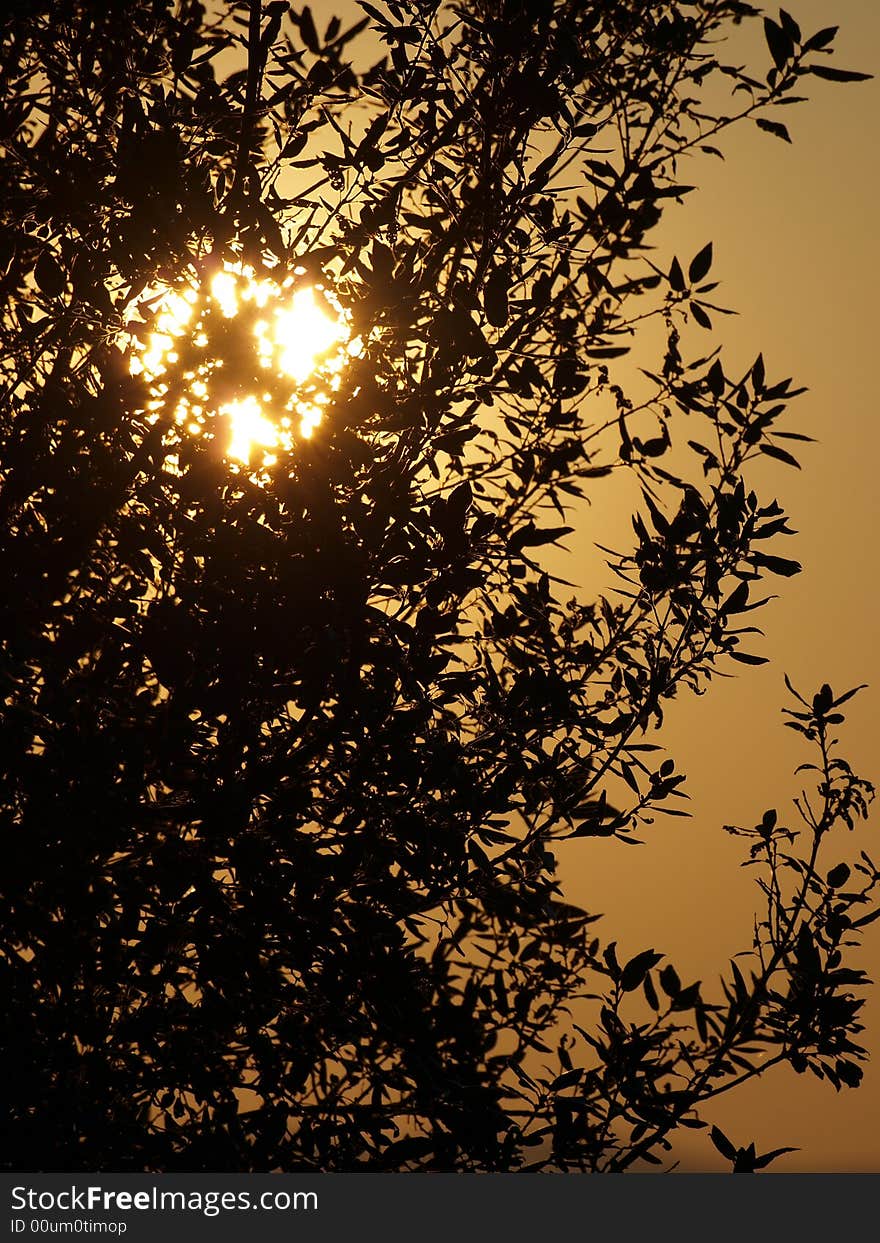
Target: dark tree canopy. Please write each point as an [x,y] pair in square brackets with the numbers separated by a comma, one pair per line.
[287,742]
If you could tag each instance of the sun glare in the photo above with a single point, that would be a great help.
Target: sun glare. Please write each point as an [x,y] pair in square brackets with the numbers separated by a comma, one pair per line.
[254,356]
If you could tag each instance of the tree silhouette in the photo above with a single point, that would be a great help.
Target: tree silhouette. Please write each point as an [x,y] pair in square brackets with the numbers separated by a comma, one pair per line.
[288,737]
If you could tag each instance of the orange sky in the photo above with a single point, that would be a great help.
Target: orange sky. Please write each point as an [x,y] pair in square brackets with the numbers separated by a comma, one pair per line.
[796,248]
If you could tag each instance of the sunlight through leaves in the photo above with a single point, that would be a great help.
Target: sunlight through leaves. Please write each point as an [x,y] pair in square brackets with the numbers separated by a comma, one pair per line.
[251,360]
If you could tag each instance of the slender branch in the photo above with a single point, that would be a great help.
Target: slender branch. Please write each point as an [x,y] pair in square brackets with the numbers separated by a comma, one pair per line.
[256,61]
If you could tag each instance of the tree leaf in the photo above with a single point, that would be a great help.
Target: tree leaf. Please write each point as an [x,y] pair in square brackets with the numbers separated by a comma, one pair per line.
[307,30]
[838,875]
[790,26]
[821,39]
[669,981]
[764,1160]
[650,992]
[778,41]
[495,300]
[722,1143]
[746,658]
[533,537]
[716,378]
[700,264]
[839,75]
[777,565]
[700,315]
[774,127]
[49,275]
[780,454]
[635,970]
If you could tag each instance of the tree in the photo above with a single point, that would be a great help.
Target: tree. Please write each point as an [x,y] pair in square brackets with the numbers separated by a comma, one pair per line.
[290,729]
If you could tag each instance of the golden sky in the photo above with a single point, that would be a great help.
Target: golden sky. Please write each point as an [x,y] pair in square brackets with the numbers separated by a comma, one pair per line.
[796,249]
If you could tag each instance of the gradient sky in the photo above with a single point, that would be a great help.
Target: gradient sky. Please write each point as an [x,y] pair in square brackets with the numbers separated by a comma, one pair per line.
[796,249]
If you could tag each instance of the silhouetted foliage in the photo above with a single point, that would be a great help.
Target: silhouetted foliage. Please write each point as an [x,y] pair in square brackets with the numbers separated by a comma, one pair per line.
[286,751]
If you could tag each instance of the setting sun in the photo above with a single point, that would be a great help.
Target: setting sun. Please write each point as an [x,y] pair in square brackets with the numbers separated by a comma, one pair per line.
[288,346]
